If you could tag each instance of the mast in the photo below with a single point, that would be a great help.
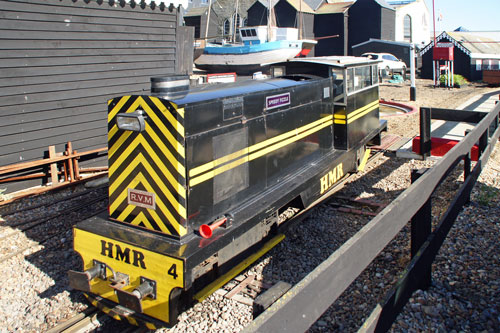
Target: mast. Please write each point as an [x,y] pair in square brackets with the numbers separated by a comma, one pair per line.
[269,21]
[300,20]
[208,19]
[235,23]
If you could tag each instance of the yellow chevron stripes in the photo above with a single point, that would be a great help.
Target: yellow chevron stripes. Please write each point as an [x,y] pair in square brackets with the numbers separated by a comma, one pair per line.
[155,163]
[131,148]
[211,169]
[119,142]
[342,118]
[118,107]
[177,125]
[139,102]
[140,179]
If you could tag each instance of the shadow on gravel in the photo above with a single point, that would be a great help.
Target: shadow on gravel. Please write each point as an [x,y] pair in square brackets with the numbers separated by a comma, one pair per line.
[481,100]
[313,240]
[56,236]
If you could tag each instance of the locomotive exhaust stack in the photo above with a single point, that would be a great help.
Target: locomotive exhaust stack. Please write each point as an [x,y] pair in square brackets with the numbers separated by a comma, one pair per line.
[237,154]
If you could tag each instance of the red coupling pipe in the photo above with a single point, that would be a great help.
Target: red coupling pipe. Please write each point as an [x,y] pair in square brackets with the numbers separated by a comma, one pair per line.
[207,230]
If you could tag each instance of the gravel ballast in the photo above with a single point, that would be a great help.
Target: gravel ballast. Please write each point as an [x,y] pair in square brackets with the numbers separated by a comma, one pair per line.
[464,295]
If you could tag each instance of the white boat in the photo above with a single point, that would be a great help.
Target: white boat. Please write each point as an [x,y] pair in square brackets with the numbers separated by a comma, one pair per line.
[260,45]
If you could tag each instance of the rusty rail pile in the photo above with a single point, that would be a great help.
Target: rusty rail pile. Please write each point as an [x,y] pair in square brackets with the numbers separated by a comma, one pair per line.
[59,169]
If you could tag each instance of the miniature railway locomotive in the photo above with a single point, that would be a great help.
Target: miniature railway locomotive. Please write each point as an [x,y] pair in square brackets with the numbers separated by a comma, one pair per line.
[198,177]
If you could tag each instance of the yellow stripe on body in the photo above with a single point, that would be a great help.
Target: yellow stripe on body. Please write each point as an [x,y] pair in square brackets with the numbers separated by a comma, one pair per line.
[342,119]
[290,137]
[132,321]
[288,134]
[359,115]
[171,119]
[289,141]
[141,140]
[212,165]
[213,173]
[118,143]
[141,218]
[222,280]
[362,164]
[151,326]
[342,115]
[117,202]
[173,141]
[112,132]
[180,111]
[126,212]
[117,107]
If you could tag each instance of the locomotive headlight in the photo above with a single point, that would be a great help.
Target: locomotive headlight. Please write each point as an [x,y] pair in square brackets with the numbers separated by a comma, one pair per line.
[134,121]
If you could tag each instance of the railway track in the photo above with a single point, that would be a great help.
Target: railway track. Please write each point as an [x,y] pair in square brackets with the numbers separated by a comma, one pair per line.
[84,322]
[91,320]
[243,286]
[30,225]
[6,212]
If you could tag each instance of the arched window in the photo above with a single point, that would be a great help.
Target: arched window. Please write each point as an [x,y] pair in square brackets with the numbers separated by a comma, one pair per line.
[227,27]
[407,28]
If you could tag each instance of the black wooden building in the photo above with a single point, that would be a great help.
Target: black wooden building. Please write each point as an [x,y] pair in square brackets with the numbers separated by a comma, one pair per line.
[287,15]
[61,60]
[370,19]
[331,29]
[197,17]
[473,53]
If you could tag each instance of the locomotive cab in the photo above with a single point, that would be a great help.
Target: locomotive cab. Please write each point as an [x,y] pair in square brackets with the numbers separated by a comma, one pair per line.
[198,176]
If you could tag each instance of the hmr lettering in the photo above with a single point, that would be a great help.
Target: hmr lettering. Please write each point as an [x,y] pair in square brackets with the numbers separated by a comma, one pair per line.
[331,178]
[122,255]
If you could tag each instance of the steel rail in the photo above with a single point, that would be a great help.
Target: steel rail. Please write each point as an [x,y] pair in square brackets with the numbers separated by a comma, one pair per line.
[51,203]
[37,222]
[11,255]
[81,322]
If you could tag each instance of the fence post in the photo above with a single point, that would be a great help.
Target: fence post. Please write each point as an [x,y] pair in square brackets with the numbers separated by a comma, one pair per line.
[483,142]
[421,227]
[425,132]
[467,165]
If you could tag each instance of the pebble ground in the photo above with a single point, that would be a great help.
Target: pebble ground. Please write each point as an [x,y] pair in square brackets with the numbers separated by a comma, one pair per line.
[464,295]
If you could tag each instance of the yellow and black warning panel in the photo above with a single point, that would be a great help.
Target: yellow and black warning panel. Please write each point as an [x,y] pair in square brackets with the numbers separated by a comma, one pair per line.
[199,176]
[147,173]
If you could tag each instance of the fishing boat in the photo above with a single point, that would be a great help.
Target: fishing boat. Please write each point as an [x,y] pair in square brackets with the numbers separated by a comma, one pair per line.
[259,46]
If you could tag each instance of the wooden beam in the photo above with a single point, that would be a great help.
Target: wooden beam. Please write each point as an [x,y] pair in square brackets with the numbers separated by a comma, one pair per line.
[32,164]
[53,166]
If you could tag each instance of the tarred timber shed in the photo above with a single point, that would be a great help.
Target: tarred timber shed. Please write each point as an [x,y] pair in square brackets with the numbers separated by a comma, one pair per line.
[474,52]
[61,60]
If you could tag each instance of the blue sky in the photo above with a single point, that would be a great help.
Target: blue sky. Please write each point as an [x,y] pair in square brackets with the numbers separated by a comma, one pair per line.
[474,15]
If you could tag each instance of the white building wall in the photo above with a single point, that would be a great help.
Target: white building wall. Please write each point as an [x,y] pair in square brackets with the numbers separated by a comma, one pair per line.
[421,22]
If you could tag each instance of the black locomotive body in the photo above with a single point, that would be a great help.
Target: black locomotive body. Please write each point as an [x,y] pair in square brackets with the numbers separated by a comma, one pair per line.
[224,158]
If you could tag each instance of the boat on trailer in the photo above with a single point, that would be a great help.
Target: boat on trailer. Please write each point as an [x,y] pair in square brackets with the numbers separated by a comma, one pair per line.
[260,45]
